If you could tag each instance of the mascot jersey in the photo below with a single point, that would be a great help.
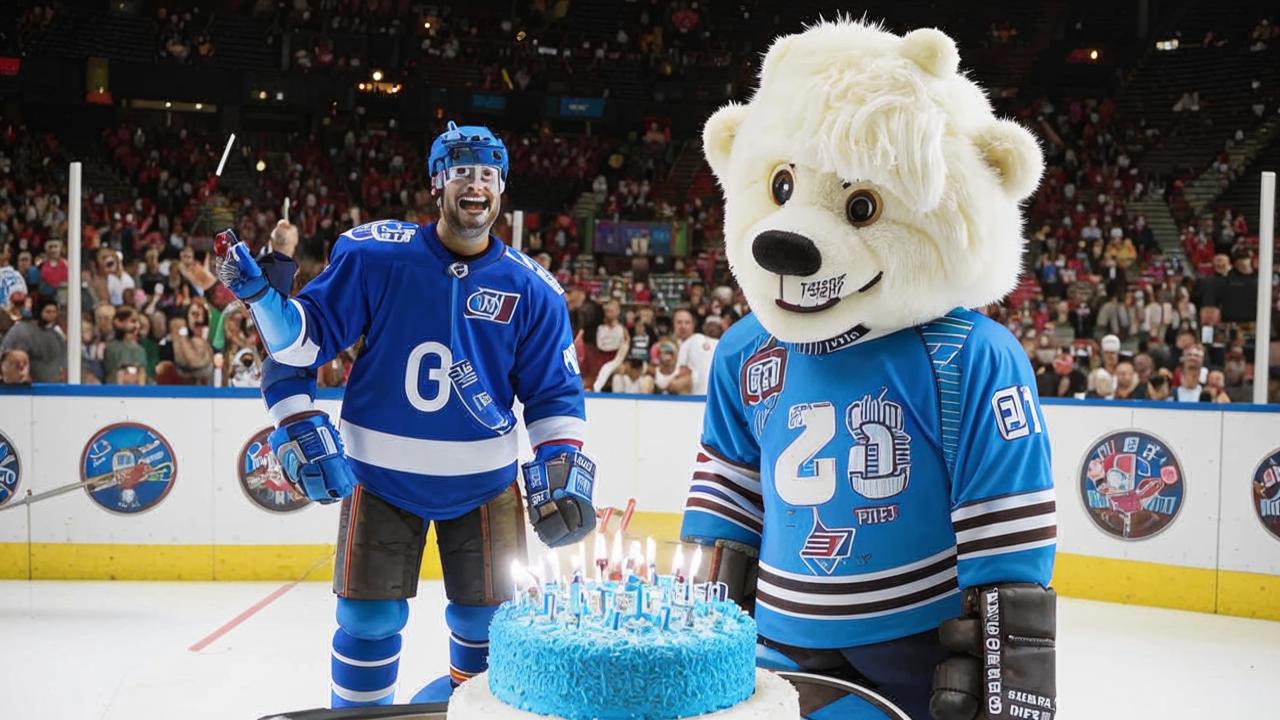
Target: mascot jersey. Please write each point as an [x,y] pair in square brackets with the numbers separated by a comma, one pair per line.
[448,345]
[886,475]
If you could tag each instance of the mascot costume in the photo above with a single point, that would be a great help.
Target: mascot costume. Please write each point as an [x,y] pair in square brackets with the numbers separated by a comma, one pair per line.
[874,476]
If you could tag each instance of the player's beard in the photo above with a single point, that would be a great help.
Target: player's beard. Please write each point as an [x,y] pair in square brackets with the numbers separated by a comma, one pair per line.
[468,225]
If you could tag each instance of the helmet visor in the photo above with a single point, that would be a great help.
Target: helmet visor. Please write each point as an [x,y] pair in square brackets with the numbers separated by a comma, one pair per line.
[487,176]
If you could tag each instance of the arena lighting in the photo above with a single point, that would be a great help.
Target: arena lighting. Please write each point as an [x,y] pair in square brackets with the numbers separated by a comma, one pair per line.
[1167,45]
[262,165]
[279,95]
[199,106]
[1093,54]
[262,94]
[426,25]
[520,36]
[377,76]
[167,105]
[360,86]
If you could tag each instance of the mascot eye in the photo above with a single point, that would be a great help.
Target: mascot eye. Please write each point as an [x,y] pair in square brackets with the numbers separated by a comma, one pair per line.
[863,207]
[782,185]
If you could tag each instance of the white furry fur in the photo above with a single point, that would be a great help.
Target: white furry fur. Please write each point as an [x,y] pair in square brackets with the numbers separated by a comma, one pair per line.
[846,102]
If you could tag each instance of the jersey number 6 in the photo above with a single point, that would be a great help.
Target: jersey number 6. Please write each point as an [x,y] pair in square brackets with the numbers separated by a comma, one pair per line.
[438,375]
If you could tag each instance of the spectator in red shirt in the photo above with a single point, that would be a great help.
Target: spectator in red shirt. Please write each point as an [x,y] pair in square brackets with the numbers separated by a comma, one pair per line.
[53,271]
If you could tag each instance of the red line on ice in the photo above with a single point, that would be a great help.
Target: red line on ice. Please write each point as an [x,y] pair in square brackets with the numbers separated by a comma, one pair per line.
[248,613]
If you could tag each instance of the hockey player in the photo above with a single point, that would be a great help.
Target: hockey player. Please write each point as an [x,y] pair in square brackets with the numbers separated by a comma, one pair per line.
[456,326]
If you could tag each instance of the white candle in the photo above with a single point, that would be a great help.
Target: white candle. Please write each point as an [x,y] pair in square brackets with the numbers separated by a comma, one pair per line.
[553,565]
[693,571]
[651,558]
[516,573]
[615,553]
[677,562]
[601,561]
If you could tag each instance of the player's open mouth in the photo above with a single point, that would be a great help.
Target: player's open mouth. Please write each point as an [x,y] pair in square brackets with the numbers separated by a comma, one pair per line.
[473,203]
[817,295]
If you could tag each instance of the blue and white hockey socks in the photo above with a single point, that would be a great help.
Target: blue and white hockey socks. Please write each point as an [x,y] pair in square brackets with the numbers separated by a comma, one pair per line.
[364,671]
[468,640]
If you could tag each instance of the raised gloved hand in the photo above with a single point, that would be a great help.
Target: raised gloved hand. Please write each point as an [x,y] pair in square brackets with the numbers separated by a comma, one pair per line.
[1004,665]
[558,486]
[237,269]
[310,452]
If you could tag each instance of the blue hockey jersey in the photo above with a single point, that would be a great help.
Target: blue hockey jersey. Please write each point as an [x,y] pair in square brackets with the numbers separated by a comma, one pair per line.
[448,347]
[878,479]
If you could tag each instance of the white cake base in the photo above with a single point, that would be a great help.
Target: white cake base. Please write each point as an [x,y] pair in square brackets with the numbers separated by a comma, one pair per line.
[774,699]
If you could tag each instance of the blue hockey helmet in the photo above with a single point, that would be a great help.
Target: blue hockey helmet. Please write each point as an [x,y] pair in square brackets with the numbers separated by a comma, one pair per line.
[467,145]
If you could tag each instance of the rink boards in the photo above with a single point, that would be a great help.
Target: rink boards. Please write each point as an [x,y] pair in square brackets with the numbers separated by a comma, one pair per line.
[1182,522]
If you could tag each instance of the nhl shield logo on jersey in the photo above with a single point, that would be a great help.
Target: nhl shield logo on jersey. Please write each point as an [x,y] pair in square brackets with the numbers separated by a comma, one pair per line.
[764,374]
[262,479]
[10,469]
[1266,492]
[1131,484]
[492,305]
[825,548]
[130,468]
[880,460]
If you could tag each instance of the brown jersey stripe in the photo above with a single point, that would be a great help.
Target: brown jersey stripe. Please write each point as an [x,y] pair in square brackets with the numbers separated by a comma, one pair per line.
[1013,513]
[730,485]
[726,510]
[942,588]
[857,586]
[1018,538]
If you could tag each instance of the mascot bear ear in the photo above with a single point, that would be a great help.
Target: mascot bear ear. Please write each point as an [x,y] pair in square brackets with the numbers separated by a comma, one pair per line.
[718,136]
[1013,153]
[932,50]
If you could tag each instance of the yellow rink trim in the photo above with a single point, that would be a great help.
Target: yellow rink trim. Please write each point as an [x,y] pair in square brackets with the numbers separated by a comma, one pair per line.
[1080,576]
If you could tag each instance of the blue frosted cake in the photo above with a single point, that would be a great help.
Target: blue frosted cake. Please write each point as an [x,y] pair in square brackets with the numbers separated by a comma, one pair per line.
[579,667]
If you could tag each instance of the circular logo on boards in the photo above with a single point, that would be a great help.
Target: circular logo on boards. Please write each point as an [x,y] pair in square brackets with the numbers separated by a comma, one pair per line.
[10,469]
[1132,484]
[130,468]
[262,480]
[1266,492]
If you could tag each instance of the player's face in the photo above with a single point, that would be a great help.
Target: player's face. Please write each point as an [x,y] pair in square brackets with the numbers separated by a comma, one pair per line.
[471,198]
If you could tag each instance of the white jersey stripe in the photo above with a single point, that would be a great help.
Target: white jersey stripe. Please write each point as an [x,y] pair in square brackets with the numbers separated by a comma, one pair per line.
[559,427]
[740,502]
[856,598]
[1003,503]
[761,602]
[1008,549]
[290,406]
[441,458]
[1007,527]
[730,473]
[467,643]
[861,577]
[713,456]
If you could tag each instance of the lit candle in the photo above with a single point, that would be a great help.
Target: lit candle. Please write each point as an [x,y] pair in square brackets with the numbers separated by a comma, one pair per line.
[581,556]
[651,558]
[677,563]
[553,566]
[601,561]
[693,571]
[516,572]
[576,585]
[634,559]
[615,557]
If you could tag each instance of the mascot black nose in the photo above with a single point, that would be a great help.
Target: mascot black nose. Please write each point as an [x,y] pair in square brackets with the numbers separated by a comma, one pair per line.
[786,253]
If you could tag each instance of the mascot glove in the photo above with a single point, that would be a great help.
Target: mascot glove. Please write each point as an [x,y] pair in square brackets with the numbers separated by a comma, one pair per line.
[310,452]
[558,486]
[1003,667]
[238,270]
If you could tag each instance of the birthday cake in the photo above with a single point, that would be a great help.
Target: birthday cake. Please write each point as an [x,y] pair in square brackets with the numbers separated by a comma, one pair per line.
[614,651]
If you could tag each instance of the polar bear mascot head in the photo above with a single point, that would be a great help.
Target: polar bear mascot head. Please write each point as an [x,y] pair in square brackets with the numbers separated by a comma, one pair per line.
[869,185]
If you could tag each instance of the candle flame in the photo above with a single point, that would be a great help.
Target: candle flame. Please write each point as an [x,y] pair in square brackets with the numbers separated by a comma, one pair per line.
[576,561]
[650,551]
[582,555]
[633,552]
[677,562]
[615,553]
[599,548]
[693,566]
[553,565]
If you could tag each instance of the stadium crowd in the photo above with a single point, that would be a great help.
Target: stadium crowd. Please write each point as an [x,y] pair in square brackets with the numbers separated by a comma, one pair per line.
[1107,309]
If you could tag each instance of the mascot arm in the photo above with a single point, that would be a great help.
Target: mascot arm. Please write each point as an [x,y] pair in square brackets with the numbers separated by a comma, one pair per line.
[1003,516]
[724,501]
[1002,498]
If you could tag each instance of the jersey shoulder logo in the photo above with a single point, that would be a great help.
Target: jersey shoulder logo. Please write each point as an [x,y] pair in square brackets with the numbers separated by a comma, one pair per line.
[764,374]
[388,231]
[492,305]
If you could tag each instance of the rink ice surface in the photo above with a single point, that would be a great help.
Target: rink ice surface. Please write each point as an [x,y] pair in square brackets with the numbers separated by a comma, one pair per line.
[122,650]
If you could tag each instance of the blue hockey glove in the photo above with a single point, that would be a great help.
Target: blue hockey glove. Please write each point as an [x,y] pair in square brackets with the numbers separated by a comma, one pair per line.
[238,270]
[310,452]
[558,485]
